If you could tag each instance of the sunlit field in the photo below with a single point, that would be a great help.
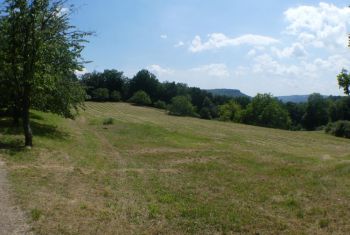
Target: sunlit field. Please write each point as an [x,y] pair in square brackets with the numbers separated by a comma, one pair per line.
[122,169]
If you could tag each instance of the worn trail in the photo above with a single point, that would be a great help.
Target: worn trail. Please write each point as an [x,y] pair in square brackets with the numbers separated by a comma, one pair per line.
[12,219]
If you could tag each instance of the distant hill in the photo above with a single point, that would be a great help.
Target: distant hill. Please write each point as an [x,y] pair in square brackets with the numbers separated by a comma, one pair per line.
[301,98]
[227,92]
[294,98]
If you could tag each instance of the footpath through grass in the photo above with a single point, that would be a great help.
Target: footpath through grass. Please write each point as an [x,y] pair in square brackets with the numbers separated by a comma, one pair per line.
[121,169]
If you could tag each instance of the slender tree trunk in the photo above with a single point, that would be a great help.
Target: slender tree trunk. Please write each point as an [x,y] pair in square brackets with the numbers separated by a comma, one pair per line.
[26,118]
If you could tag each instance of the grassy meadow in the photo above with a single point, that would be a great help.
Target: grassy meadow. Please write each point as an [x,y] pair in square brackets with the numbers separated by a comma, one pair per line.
[122,169]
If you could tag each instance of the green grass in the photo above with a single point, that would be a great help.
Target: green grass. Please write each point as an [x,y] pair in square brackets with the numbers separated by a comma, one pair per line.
[148,173]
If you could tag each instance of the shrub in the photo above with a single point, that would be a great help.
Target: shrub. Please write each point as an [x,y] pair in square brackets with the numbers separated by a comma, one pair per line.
[115,96]
[100,94]
[35,214]
[339,129]
[108,121]
[160,104]
[181,106]
[209,109]
[140,98]
[205,113]
[229,111]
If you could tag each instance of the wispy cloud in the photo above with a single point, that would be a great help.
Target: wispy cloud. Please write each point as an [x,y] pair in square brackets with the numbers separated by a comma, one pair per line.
[213,70]
[179,44]
[159,70]
[220,40]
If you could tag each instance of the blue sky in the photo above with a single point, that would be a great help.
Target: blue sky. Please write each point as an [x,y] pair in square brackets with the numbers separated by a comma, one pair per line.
[282,47]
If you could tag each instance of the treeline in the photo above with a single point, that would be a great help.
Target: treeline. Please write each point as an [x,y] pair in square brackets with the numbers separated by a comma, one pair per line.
[179,99]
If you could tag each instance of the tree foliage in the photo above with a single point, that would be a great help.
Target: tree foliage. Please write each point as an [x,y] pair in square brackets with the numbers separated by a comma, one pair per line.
[230,111]
[344,81]
[112,80]
[181,106]
[147,82]
[40,52]
[339,129]
[264,110]
[140,98]
[316,112]
[100,94]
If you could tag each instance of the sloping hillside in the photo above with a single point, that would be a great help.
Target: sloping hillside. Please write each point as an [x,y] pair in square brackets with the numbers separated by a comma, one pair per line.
[150,173]
[228,92]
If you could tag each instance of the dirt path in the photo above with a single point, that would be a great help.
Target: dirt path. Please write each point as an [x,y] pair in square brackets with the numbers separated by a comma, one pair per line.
[12,219]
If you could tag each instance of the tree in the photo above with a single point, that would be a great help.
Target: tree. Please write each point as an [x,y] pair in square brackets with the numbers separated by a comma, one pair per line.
[265,110]
[340,109]
[113,80]
[100,94]
[229,111]
[140,98]
[181,106]
[147,82]
[41,50]
[296,112]
[65,100]
[344,81]
[208,110]
[115,96]
[316,112]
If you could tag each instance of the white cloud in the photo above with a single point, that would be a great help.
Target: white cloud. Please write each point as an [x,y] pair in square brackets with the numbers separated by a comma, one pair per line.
[296,50]
[160,71]
[325,25]
[62,11]
[219,40]
[163,36]
[179,44]
[241,71]
[213,70]
[82,72]
[265,64]
[251,53]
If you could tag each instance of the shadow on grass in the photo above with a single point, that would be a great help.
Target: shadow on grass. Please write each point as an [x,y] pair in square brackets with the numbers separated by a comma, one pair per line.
[12,138]
[12,146]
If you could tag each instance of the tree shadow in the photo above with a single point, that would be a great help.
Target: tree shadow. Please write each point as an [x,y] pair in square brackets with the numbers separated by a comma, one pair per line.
[34,116]
[14,142]
[12,146]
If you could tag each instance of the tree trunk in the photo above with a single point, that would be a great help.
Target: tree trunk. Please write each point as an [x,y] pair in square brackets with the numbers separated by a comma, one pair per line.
[26,119]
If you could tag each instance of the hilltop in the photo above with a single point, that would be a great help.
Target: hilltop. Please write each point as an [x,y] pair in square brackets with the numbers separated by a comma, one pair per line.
[147,172]
[227,92]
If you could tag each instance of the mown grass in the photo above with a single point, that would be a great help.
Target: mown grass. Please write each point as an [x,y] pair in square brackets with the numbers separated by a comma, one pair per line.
[150,173]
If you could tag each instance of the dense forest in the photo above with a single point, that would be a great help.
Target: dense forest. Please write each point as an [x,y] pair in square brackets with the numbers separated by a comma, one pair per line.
[179,99]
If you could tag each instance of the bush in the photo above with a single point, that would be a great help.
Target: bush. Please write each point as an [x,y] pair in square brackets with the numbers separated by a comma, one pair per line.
[205,113]
[115,96]
[181,106]
[108,121]
[339,129]
[100,94]
[140,98]
[209,109]
[229,111]
[160,104]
